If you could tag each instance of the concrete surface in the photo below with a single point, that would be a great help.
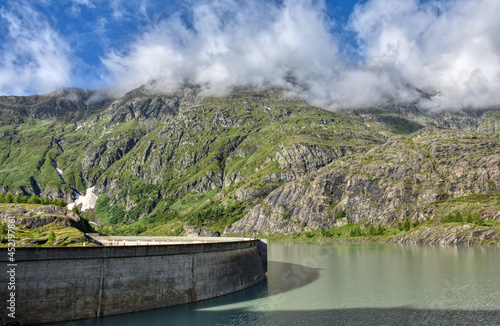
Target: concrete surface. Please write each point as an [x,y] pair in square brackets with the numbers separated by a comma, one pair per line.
[62,284]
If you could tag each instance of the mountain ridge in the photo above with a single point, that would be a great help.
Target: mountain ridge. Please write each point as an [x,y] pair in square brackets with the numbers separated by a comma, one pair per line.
[174,157]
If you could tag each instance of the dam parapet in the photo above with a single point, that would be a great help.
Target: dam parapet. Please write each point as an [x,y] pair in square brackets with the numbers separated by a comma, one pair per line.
[151,241]
[129,274]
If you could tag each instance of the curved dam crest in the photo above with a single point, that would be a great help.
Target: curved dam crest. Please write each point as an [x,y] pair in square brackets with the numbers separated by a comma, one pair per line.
[130,274]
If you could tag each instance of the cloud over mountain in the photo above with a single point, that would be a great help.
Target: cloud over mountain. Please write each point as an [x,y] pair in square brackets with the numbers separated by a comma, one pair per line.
[449,49]
[387,49]
[448,46]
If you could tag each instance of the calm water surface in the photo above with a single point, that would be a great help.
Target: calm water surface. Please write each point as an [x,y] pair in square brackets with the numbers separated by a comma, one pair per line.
[352,284]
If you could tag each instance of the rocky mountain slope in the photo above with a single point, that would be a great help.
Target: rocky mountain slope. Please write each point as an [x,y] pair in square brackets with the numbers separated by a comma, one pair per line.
[206,162]
[68,103]
[398,179]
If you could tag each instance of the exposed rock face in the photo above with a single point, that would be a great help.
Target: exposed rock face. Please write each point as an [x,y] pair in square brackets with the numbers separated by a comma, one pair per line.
[234,146]
[465,234]
[462,235]
[303,158]
[69,103]
[390,182]
[407,118]
[198,232]
[287,209]
[37,216]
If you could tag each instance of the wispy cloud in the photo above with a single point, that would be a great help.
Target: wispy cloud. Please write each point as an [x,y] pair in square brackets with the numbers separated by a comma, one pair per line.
[447,48]
[87,3]
[75,9]
[34,57]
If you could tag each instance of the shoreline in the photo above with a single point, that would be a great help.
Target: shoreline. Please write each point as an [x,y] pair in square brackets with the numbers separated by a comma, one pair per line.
[452,234]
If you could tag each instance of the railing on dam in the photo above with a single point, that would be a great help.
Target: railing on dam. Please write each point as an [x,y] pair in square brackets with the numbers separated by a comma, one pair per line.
[116,241]
[151,241]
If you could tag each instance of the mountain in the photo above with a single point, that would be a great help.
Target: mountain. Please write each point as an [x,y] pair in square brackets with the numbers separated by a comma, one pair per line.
[183,162]
[67,103]
[405,177]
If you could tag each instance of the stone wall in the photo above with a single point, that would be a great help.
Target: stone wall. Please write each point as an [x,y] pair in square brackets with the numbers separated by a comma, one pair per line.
[60,284]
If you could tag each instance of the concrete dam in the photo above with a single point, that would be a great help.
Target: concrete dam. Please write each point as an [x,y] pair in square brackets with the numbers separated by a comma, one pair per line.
[129,274]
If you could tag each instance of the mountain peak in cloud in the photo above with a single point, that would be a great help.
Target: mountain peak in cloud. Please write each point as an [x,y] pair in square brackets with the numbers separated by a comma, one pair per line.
[388,50]
[404,46]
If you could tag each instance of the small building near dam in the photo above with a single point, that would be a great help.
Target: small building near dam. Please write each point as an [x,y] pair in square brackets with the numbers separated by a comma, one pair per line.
[128,274]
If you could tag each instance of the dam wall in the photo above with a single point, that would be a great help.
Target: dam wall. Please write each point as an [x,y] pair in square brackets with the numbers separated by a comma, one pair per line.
[62,284]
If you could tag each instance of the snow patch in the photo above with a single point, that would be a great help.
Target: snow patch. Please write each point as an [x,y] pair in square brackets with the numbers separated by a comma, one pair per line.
[88,201]
[59,171]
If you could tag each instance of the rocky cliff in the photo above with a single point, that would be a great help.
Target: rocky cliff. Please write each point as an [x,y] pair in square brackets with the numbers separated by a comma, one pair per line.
[398,179]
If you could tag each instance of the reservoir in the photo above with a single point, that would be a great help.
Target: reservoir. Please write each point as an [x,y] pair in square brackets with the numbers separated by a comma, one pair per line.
[351,284]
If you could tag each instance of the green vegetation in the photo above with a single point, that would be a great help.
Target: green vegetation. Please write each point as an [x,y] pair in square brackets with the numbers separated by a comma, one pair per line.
[458,217]
[51,238]
[339,214]
[217,216]
[10,198]
[469,209]
[406,224]
[449,214]
[355,232]
[399,125]
[349,232]
[234,137]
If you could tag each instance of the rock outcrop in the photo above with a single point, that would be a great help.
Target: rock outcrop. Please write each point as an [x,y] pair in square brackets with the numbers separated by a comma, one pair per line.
[446,235]
[42,225]
[37,216]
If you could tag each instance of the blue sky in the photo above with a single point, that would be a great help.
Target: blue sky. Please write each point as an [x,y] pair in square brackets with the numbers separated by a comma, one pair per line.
[339,53]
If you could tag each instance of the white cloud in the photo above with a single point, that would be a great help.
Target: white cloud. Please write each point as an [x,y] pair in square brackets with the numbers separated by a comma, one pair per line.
[232,43]
[34,57]
[447,46]
[450,46]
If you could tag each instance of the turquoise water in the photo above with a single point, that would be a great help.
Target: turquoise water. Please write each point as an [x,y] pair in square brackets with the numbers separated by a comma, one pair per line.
[352,284]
